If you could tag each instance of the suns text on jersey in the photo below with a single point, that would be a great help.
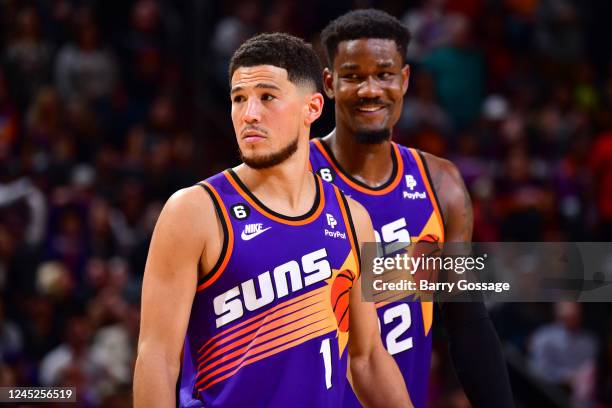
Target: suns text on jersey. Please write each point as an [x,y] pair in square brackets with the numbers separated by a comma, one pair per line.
[274,284]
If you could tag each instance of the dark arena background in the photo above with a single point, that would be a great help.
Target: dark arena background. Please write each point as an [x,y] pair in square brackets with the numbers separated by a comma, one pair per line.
[107,108]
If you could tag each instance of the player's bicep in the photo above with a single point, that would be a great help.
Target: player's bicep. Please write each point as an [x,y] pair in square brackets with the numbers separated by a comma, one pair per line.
[363,323]
[460,218]
[171,274]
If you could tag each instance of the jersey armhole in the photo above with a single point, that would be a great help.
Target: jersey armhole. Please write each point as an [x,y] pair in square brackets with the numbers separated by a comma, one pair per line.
[346,212]
[429,181]
[228,238]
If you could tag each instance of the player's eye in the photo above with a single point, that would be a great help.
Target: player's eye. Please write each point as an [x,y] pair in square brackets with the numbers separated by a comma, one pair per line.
[385,75]
[238,99]
[267,97]
[351,77]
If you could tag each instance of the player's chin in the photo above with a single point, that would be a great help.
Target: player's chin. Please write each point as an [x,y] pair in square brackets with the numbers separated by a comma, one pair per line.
[372,134]
[253,153]
[254,148]
[371,127]
[371,124]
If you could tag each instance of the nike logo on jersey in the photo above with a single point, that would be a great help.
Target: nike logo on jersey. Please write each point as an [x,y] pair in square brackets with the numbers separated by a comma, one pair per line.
[252,230]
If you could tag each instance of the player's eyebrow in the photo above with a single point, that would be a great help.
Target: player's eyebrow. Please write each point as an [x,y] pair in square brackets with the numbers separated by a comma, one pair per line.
[261,85]
[349,66]
[385,64]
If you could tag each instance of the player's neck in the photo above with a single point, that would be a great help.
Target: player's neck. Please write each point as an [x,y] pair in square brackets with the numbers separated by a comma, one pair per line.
[368,163]
[287,188]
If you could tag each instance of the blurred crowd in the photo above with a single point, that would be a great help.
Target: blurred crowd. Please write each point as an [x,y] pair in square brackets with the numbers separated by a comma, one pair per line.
[106,108]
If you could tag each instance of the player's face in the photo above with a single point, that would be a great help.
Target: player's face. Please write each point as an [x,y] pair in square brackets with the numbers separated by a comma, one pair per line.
[267,112]
[368,83]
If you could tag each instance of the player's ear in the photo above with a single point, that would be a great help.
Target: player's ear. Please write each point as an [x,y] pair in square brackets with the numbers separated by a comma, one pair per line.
[328,83]
[405,78]
[314,108]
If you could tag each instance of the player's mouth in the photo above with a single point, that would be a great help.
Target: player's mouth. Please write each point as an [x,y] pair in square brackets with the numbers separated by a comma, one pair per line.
[252,135]
[370,109]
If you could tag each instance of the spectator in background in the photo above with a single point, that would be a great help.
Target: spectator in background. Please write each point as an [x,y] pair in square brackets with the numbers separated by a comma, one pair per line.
[40,320]
[421,108]
[84,68]
[149,51]
[44,120]
[558,32]
[28,57]
[101,236]
[72,362]
[429,27]
[67,239]
[231,31]
[11,338]
[563,350]
[458,73]
[9,122]
[571,180]
[524,201]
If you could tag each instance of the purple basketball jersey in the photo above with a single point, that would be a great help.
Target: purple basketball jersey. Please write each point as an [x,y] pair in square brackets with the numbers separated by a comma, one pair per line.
[269,323]
[404,209]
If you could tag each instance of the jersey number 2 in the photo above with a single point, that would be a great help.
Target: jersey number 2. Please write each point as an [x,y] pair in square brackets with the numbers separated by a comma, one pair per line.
[401,312]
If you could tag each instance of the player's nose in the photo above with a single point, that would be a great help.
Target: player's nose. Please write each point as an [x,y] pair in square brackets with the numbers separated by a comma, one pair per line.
[252,112]
[370,88]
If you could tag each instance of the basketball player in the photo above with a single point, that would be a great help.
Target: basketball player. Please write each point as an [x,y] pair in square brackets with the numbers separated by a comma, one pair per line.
[410,196]
[251,273]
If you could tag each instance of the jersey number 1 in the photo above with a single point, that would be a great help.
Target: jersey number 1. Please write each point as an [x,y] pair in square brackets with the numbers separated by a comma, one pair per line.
[327,363]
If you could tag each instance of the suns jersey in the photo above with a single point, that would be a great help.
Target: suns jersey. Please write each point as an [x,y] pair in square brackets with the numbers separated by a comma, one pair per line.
[269,324]
[404,209]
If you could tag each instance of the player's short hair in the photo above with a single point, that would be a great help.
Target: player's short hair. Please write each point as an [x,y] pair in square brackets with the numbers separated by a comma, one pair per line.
[281,50]
[369,23]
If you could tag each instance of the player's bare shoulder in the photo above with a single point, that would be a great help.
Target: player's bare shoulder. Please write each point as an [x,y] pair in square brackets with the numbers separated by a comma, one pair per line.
[453,197]
[361,220]
[190,208]
[443,172]
[189,219]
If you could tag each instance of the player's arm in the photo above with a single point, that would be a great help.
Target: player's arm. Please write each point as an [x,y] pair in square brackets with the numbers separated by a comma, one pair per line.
[186,223]
[470,330]
[376,379]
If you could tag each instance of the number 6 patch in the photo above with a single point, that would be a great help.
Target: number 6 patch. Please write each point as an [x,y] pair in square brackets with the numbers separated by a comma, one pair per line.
[240,211]
[326,174]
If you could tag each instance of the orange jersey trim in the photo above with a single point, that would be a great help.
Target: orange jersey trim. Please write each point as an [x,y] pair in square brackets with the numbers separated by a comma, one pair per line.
[348,223]
[230,242]
[429,189]
[427,312]
[273,217]
[342,175]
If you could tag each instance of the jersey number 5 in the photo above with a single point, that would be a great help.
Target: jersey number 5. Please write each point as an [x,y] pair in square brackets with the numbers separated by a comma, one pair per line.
[393,236]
